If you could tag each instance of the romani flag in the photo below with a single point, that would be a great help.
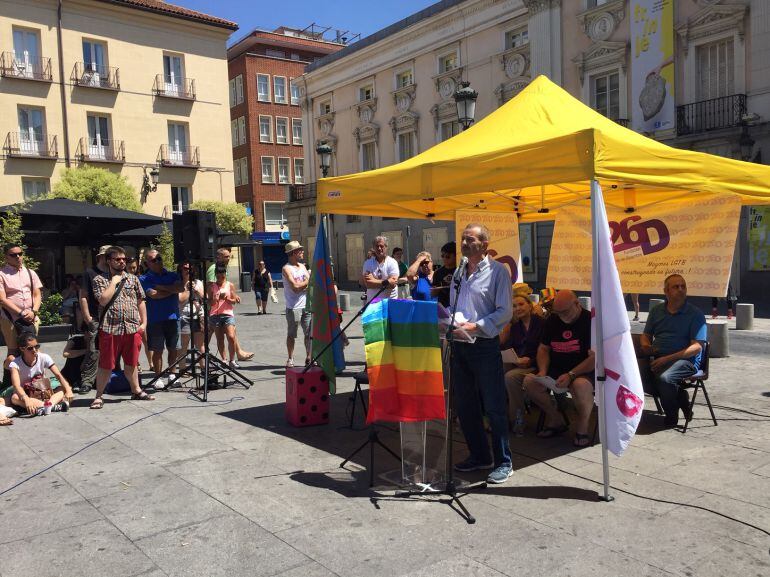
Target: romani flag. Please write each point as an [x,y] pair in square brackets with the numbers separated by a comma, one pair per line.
[403,360]
[622,389]
[323,305]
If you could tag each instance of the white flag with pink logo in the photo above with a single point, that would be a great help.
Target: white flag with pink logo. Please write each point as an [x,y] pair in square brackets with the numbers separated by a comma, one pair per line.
[623,391]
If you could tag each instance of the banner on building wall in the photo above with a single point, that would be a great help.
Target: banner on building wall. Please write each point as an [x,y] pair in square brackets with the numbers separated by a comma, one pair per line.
[696,241]
[504,244]
[652,65]
[759,238]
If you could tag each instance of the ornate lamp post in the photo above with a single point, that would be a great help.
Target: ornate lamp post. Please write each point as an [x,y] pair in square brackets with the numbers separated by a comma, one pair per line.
[149,182]
[324,152]
[465,99]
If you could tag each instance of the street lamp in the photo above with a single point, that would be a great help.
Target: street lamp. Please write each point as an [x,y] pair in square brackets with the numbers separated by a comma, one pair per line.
[324,151]
[149,182]
[747,144]
[465,99]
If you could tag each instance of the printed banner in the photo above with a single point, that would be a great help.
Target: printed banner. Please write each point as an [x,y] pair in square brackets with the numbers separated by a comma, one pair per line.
[504,244]
[694,240]
[652,65]
[759,238]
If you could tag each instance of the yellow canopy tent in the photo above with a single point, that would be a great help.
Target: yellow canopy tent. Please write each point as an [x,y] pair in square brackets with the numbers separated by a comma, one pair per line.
[537,154]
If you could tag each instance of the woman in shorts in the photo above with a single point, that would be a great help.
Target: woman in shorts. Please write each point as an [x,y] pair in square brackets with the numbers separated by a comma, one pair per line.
[261,284]
[221,315]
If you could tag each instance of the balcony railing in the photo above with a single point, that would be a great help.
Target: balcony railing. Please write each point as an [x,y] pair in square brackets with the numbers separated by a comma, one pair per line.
[90,150]
[28,145]
[178,155]
[724,112]
[298,192]
[92,75]
[622,121]
[171,209]
[14,65]
[172,87]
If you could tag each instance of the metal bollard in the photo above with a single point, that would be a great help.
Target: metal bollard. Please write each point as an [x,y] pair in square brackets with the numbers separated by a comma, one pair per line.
[719,339]
[585,302]
[744,317]
[653,303]
[344,301]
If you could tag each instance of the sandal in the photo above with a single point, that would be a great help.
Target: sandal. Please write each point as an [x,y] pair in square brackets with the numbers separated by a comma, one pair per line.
[581,440]
[97,403]
[245,356]
[550,432]
[143,396]
[4,421]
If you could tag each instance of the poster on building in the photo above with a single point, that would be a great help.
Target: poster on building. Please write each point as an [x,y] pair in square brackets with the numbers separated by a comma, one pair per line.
[504,244]
[694,240]
[759,238]
[527,241]
[652,65]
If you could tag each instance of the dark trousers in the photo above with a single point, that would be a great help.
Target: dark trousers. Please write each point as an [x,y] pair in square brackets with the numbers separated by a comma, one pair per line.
[666,385]
[477,377]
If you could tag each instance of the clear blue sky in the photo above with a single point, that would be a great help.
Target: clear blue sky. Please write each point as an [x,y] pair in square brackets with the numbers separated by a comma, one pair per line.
[357,16]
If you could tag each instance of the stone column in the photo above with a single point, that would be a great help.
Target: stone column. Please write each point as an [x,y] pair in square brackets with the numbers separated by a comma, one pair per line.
[544,28]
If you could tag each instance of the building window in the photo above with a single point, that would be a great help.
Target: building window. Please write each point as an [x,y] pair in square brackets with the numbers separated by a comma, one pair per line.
[351,218]
[311,216]
[366,92]
[325,107]
[234,133]
[447,62]
[296,131]
[275,53]
[99,142]
[274,214]
[282,130]
[284,171]
[299,171]
[405,144]
[95,62]
[178,150]
[32,130]
[368,156]
[231,85]
[243,165]
[242,130]
[34,188]
[716,70]
[404,79]
[263,88]
[516,38]
[265,129]
[27,59]
[180,199]
[236,90]
[294,56]
[294,94]
[449,129]
[279,85]
[605,95]
[173,74]
[267,170]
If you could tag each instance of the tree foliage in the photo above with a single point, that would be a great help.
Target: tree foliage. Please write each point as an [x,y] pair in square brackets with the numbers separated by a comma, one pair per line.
[231,217]
[11,233]
[97,186]
[164,244]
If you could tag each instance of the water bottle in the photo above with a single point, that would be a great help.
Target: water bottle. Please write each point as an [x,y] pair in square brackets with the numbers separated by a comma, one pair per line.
[518,423]
[47,406]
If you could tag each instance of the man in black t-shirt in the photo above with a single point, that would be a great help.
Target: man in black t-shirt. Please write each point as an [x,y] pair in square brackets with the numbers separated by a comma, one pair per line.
[89,307]
[565,355]
[442,278]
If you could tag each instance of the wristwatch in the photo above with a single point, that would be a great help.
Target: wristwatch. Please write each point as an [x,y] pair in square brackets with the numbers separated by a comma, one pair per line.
[572,375]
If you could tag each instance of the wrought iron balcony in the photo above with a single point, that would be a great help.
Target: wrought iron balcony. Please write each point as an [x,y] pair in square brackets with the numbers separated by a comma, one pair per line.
[724,112]
[91,75]
[178,156]
[110,151]
[298,192]
[14,65]
[27,145]
[171,87]
[622,121]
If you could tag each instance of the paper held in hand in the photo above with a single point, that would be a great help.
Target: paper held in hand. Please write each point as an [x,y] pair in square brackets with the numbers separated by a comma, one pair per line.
[510,357]
[445,319]
[550,383]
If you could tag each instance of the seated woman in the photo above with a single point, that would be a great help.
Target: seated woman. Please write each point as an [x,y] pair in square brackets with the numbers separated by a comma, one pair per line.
[420,274]
[524,338]
[74,354]
[31,388]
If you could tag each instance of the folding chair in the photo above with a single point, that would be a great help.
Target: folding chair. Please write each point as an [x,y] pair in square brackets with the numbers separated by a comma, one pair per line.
[698,381]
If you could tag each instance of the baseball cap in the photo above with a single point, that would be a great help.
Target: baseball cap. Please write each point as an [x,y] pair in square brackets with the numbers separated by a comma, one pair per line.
[103,249]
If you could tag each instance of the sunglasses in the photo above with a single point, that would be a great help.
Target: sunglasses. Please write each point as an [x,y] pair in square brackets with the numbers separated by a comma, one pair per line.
[31,348]
[156,259]
[16,254]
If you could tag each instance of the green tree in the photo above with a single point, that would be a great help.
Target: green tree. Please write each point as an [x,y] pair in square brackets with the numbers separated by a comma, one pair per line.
[164,244]
[231,217]
[97,186]
[11,233]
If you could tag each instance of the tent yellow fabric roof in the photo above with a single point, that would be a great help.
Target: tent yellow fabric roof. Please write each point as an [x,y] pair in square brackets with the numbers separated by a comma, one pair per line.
[535,155]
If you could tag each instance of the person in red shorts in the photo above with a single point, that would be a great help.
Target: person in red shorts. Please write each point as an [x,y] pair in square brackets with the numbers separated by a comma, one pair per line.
[122,320]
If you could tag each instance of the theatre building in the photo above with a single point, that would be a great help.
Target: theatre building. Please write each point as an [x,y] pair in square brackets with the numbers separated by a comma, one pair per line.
[389,96]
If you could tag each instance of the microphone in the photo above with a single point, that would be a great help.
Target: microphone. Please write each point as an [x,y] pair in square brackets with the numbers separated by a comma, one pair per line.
[461,269]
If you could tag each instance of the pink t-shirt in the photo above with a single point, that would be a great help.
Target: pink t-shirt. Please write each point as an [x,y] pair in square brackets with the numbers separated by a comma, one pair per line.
[222,306]
[17,288]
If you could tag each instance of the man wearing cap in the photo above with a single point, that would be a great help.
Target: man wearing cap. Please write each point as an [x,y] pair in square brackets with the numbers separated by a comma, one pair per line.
[296,278]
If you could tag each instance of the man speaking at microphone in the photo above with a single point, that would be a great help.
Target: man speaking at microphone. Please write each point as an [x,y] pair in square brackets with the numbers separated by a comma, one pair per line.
[484,307]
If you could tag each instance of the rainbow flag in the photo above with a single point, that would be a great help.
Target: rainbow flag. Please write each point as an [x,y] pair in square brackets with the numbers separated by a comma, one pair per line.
[403,360]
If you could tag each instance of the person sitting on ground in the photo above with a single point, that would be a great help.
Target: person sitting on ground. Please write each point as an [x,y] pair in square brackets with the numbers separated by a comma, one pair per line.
[565,355]
[74,352]
[420,274]
[221,314]
[31,388]
[524,338]
[672,336]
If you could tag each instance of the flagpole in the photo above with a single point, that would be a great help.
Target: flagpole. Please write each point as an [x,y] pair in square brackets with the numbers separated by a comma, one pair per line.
[328,243]
[596,294]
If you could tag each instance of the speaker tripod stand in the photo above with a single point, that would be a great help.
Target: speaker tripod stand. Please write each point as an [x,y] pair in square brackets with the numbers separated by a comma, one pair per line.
[214,369]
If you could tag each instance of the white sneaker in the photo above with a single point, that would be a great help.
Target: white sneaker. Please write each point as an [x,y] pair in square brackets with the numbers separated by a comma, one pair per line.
[8,412]
[160,384]
[234,365]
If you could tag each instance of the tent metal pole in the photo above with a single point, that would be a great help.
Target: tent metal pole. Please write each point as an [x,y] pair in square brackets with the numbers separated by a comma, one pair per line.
[596,297]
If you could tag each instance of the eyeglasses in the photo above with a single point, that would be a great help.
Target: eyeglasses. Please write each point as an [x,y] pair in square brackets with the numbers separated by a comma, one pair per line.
[16,254]
[156,259]
[31,348]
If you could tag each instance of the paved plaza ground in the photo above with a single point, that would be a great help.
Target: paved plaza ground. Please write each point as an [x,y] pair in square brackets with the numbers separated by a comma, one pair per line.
[177,487]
